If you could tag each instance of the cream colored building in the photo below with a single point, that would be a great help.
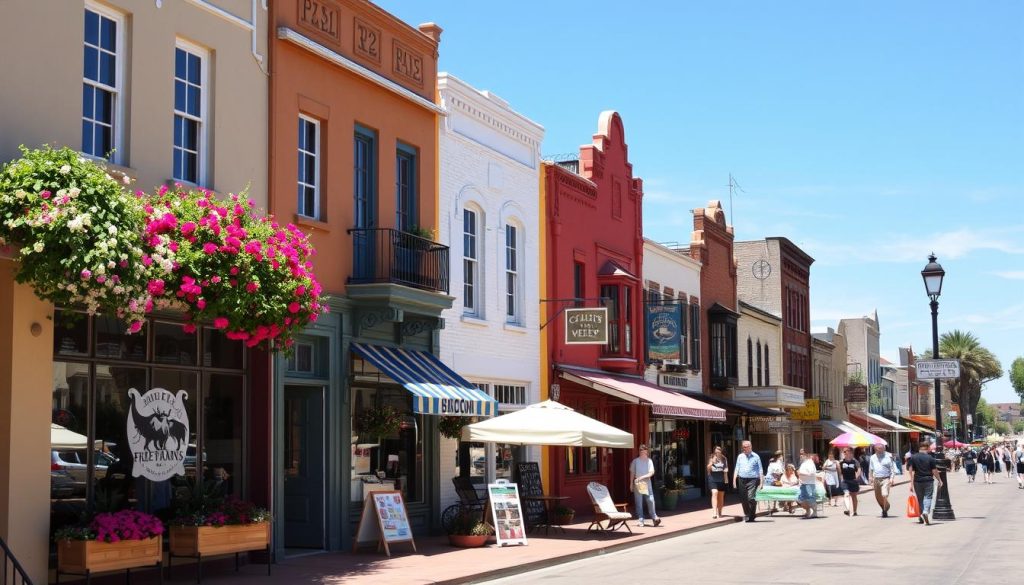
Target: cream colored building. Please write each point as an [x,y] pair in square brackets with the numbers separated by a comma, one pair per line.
[675,277]
[171,90]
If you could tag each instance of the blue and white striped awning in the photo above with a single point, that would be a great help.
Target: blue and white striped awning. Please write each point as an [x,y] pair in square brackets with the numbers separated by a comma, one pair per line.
[435,388]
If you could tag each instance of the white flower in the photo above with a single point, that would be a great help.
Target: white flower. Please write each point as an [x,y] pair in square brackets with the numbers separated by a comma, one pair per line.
[75,224]
[65,169]
[74,191]
[112,242]
[86,219]
[126,180]
[112,229]
[38,246]
[20,194]
[111,264]
[101,269]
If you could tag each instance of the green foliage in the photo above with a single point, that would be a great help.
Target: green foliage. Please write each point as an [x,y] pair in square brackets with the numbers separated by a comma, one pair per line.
[451,426]
[468,523]
[1018,427]
[1017,376]
[875,396]
[381,421]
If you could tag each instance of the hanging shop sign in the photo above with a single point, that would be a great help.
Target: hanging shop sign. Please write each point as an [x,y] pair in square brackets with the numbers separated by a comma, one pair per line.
[855,392]
[938,369]
[158,433]
[811,410]
[663,332]
[586,326]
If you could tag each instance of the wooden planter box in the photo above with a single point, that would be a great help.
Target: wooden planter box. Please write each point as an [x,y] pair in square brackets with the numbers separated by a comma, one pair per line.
[92,556]
[196,541]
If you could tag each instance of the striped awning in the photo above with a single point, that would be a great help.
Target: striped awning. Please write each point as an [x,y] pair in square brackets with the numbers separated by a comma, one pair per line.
[435,388]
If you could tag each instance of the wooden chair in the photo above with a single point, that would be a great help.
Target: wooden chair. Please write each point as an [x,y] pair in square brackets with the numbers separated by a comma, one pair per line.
[606,509]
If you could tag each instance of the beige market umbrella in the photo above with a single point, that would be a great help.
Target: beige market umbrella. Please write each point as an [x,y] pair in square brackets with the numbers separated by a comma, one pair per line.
[547,423]
[62,438]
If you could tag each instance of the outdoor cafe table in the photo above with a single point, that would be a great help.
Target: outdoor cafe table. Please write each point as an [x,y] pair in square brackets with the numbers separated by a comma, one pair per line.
[549,511]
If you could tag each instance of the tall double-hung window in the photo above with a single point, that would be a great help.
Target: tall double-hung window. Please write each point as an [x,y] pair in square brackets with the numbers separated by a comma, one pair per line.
[471,261]
[102,81]
[512,273]
[405,188]
[309,167]
[189,113]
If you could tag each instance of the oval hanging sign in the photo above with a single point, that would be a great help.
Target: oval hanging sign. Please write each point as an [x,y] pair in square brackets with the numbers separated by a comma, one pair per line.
[158,433]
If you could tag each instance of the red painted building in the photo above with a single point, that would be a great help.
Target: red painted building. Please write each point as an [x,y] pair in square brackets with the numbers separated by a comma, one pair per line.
[594,250]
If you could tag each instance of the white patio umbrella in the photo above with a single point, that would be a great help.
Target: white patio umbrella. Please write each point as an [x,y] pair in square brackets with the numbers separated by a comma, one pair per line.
[63,438]
[547,423]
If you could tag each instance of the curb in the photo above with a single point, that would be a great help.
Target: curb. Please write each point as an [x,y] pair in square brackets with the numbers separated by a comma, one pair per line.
[577,556]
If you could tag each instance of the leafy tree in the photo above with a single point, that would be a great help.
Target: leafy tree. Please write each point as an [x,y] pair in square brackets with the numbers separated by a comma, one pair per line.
[1017,376]
[875,402]
[978,366]
[1018,427]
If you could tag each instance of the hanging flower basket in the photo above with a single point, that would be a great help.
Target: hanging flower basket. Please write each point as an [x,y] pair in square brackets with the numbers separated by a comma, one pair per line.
[84,240]
[381,421]
[451,426]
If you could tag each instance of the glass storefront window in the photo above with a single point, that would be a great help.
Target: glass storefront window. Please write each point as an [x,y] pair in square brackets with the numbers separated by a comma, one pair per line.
[674,450]
[395,461]
[95,365]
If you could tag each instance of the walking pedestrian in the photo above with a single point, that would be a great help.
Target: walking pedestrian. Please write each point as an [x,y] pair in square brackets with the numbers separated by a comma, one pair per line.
[971,465]
[831,469]
[987,462]
[808,483]
[1018,456]
[641,470]
[882,471]
[1007,463]
[849,469]
[718,470]
[924,481]
[748,476]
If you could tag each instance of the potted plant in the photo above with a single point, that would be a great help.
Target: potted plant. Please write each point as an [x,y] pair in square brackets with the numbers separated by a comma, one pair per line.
[562,515]
[111,541]
[674,486]
[378,422]
[467,530]
[206,522]
[451,426]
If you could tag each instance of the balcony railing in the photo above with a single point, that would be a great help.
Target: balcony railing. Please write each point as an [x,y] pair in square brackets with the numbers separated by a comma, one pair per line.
[14,573]
[825,408]
[390,255]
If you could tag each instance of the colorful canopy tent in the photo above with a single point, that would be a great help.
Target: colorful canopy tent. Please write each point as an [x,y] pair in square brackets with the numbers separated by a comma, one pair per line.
[547,423]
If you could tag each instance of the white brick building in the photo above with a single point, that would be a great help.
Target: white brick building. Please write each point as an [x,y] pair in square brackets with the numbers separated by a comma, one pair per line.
[489,206]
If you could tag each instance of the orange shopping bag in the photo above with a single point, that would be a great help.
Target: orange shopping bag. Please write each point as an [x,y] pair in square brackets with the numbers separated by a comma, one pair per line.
[913,507]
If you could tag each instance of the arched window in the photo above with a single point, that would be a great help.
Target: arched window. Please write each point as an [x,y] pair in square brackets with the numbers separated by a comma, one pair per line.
[758,362]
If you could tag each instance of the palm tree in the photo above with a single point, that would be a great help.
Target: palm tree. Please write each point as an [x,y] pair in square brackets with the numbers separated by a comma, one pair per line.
[978,366]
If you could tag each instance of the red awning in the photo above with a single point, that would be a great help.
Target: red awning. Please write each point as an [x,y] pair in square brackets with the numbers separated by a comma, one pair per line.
[663,402]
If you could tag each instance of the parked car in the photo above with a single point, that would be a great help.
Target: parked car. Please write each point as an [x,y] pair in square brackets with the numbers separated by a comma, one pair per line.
[73,461]
[62,485]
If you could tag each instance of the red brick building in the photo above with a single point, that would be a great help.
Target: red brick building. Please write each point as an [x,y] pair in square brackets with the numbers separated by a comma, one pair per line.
[712,245]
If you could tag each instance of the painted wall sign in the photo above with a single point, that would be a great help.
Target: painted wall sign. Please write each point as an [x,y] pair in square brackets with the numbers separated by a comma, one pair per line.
[586,326]
[663,338]
[322,17]
[811,410]
[158,433]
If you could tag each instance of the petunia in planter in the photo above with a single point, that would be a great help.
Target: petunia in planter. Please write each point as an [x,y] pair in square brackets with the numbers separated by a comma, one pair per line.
[216,527]
[110,542]
[468,531]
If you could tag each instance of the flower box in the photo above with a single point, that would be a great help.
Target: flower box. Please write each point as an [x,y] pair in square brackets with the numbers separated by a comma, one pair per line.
[92,556]
[196,541]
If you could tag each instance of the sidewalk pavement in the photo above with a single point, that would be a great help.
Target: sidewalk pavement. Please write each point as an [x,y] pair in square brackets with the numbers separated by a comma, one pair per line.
[437,562]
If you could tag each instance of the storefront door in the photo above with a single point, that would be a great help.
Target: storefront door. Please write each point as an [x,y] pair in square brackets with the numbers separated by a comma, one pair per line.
[304,467]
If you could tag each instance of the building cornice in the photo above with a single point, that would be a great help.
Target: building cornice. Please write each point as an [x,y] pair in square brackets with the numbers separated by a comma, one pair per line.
[298,39]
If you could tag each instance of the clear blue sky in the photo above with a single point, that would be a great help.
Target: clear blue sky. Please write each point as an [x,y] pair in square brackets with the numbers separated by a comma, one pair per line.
[870,133]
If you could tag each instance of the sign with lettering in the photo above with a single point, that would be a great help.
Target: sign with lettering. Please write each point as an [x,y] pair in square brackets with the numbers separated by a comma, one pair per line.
[811,410]
[366,41]
[322,17]
[663,332]
[528,479]
[586,326]
[158,433]
[855,392]
[457,407]
[384,521]
[407,63]
[938,369]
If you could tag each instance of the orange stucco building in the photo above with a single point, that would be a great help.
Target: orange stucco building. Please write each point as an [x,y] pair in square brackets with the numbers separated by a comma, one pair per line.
[354,121]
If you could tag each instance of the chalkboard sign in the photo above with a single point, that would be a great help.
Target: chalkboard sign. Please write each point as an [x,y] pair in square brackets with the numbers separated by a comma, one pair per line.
[528,478]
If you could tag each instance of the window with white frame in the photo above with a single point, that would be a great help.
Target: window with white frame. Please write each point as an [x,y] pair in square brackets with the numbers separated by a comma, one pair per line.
[510,394]
[512,236]
[189,112]
[101,82]
[309,167]
[471,261]
[302,359]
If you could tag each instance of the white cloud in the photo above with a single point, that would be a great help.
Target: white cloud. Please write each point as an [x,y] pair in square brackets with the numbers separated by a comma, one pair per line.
[1010,274]
[951,245]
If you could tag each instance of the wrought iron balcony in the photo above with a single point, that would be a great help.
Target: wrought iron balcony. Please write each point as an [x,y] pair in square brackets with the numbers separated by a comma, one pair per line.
[825,408]
[390,255]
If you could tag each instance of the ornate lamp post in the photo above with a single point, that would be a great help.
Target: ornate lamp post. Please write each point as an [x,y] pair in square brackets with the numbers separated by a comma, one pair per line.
[933,275]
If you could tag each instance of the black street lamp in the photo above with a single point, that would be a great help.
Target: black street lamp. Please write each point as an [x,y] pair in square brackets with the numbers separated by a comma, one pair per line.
[933,275]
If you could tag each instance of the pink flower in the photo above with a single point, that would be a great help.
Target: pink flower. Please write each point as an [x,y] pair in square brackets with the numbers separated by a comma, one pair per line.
[300,290]
[220,322]
[251,287]
[210,248]
[188,228]
[45,194]
[233,271]
[156,287]
[188,328]
[201,304]
[293,307]
[86,274]
[101,279]
[136,326]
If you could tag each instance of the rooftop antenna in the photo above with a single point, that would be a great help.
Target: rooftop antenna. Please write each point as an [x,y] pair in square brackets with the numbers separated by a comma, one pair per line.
[733,186]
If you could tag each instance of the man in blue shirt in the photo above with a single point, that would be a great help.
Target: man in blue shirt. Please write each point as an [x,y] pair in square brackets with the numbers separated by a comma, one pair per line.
[748,473]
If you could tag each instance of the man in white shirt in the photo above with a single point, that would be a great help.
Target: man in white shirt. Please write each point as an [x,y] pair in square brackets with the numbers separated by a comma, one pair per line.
[881,473]
[808,475]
